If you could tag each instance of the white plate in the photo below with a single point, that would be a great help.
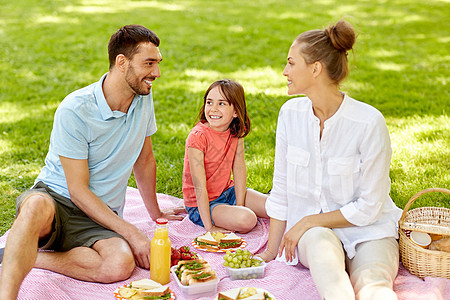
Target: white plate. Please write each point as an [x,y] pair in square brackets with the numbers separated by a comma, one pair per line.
[259,290]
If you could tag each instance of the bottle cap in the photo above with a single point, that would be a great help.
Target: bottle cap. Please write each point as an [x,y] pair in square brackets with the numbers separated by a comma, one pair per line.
[161,221]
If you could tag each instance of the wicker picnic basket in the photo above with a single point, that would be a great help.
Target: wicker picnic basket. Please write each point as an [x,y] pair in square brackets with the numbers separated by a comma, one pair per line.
[433,220]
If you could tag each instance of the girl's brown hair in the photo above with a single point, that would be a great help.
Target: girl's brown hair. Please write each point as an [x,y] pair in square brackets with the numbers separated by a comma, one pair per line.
[329,47]
[234,94]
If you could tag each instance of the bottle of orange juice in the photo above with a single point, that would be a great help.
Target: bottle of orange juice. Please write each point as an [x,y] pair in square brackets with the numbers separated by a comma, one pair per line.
[160,253]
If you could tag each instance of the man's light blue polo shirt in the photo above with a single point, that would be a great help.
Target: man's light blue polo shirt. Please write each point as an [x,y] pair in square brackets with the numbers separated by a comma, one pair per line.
[85,128]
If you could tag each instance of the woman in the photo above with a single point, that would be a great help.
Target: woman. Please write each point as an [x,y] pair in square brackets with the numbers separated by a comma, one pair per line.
[330,206]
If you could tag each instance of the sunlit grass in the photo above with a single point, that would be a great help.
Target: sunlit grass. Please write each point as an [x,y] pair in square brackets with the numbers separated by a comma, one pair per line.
[400,65]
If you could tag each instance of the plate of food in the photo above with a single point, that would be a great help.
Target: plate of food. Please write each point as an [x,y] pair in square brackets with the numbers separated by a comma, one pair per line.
[247,293]
[218,242]
[144,289]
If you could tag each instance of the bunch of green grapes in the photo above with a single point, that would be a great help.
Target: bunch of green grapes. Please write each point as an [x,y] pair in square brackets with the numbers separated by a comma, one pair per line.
[240,259]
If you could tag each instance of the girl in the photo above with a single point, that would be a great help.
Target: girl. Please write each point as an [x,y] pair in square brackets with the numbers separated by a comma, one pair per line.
[214,149]
[329,205]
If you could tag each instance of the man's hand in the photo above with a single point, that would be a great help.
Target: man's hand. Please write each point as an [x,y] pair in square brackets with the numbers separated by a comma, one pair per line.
[174,213]
[140,246]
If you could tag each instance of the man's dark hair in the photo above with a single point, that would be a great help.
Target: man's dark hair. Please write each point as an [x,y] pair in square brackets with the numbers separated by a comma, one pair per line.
[127,39]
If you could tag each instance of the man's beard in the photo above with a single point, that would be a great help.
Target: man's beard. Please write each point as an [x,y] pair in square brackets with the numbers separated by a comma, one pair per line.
[135,84]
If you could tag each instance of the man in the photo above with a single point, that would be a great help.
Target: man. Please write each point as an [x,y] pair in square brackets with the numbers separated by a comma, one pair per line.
[100,134]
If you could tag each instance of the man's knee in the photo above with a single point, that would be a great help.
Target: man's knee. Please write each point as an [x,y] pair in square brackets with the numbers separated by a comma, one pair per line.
[117,268]
[117,260]
[37,211]
[37,205]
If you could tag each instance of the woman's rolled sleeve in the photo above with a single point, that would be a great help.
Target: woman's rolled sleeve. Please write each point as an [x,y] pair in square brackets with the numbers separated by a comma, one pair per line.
[276,209]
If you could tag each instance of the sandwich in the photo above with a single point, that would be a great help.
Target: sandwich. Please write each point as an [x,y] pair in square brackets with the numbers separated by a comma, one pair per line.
[191,272]
[145,289]
[202,277]
[194,264]
[162,292]
[229,295]
[230,240]
[186,274]
[145,284]
[208,241]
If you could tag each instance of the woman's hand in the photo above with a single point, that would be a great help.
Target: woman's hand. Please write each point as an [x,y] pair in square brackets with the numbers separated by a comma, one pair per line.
[267,255]
[291,238]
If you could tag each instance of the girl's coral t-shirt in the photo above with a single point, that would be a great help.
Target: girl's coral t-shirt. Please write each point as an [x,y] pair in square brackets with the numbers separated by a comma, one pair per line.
[219,149]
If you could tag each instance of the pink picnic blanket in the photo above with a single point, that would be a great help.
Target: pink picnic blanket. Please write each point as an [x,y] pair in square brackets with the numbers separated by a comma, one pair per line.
[284,282]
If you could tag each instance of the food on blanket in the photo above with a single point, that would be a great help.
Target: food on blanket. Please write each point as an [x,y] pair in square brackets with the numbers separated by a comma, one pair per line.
[421,239]
[243,265]
[441,245]
[229,295]
[127,292]
[216,241]
[191,272]
[145,289]
[217,235]
[240,259]
[186,275]
[162,292]
[244,293]
[145,284]
[182,253]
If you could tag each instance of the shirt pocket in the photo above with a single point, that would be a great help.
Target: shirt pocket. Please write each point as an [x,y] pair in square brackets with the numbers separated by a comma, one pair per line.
[297,171]
[342,172]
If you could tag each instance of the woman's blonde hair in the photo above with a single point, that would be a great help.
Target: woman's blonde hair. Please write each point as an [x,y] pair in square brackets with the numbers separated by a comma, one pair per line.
[330,47]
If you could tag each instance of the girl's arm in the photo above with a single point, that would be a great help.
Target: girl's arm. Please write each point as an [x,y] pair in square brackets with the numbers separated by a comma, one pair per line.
[276,231]
[197,166]
[240,173]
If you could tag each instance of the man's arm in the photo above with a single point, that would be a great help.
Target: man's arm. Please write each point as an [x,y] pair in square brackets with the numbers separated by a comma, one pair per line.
[145,174]
[77,177]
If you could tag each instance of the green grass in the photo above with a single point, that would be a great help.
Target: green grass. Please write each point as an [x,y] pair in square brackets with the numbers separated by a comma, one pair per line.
[400,65]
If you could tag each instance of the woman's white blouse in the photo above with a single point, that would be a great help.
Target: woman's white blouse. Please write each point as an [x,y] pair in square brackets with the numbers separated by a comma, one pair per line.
[346,169]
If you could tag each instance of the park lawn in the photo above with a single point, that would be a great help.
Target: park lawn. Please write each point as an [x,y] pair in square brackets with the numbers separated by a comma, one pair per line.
[400,65]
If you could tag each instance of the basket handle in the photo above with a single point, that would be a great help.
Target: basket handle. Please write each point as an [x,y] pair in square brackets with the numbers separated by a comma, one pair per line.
[413,198]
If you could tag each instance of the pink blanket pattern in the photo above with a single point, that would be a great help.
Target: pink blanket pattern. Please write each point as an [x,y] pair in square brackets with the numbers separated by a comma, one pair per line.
[284,282]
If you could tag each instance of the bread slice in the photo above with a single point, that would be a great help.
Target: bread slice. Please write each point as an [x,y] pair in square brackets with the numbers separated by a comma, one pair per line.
[145,284]
[210,277]
[195,264]
[156,292]
[231,240]
[231,237]
[229,295]
[185,274]
[208,239]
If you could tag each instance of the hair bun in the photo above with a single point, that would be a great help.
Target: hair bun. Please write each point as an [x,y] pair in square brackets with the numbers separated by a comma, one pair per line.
[342,35]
